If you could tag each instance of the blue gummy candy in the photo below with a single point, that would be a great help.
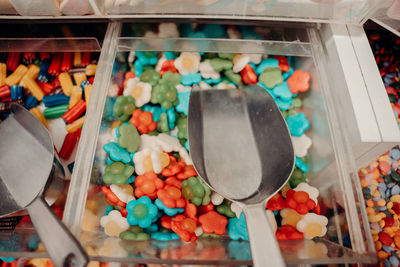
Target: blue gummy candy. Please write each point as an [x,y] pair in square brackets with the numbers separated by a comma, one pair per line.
[169,55]
[31,102]
[171,118]
[301,165]
[139,68]
[283,104]
[190,79]
[155,110]
[183,104]
[152,228]
[214,30]
[131,180]
[394,261]
[394,154]
[55,100]
[283,92]
[187,145]
[287,74]
[117,153]
[84,83]
[212,81]
[17,92]
[71,166]
[395,190]
[109,161]
[44,67]
[267,63]
[164,236]
[237,228]
[108,210]
[167,210]
[297,124]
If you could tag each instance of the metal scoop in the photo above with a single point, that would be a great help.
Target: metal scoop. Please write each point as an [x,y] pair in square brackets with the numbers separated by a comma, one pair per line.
[26,160]
[240,145]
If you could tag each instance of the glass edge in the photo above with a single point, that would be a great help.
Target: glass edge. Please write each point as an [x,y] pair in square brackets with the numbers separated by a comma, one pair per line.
[77,193]
[50,44]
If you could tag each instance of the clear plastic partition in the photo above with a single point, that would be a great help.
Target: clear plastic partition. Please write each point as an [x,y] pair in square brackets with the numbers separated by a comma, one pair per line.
[330,163]
[342,11]
[6,8]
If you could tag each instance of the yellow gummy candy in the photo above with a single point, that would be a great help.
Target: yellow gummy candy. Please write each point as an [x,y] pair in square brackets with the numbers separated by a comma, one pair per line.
[79,77]
[3,73]
[39,115]
[88,91]
[66,83]
[73,127]
[75,96]
[34,88]
[395,198]
[32,73]
[91,69]
[16,76]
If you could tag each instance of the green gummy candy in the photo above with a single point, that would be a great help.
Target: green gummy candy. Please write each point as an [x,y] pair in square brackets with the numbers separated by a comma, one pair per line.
[55,112]
[117,173]
[129,137]
[124,107]
[134,236]
[162,125]
[271,77]
[234,77]
[182,128]
[224,209]
[219,64]
[150,76]
[229,56]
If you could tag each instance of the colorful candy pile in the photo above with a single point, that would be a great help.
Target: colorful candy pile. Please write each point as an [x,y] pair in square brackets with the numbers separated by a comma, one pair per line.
[386,48]
[149,183]
[380,185]
[55,87]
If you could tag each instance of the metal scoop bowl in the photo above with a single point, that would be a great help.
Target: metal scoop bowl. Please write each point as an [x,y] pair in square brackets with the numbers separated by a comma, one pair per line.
[26,160]
[240,146]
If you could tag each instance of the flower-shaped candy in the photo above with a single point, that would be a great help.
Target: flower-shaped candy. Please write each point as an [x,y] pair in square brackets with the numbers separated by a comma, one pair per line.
[220,64]
[190,79]
[148,160]
[164,235]
[165,93]
[169,211]
[207,71]
[301,145]
[183,104]
[213,222]
[299,201]
[196,191]
[143,120]
[171,197]
[239,62]
[225,209]
[141,212]
[182,127]
[312,225]
[184,227]
[271,63]
[117,173]
[173,168]
[167,66]
[117,153]
[216,199]
[114,223]
[271,77]
[290,217]
[123,192]
[187,63]
[128,138]
[299,81]
[140,91]
[283,63]
[297,124]
[134,233]
[313,192]
[288,232]
[276,202]
[124,107]
[237,228]
[147,185]
[248,74]
[116,196]
[150,77]
[282,91]
[232,76]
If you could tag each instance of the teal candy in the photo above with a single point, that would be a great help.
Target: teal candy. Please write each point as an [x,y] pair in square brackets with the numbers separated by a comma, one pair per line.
[183,104]
[267,63]
[187,145]
[282,104]
[151,212]
[117,153]
[301,165]
[108,210]
[297,124]
[212,81]
[283,92]
[170,55]
[239,250]
[162,236]
[271,92]
[190,79]
[169,211]
[237,228]
[171,117]
[287,74]
[152,228]
[139,68]
[156,110]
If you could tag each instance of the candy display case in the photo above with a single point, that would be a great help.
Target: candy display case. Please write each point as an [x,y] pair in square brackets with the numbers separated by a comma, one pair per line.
[332,167]
[346,11]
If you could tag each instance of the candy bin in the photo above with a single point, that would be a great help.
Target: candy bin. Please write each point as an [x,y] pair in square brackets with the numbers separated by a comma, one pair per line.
[139,198]
[53,79]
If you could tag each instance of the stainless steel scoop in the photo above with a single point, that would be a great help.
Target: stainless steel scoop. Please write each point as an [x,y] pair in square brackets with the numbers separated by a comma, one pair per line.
[26,160]
[240,145]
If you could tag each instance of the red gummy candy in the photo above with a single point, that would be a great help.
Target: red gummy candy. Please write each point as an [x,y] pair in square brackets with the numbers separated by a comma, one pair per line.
[385,238]
[54,68]
[384,167]
[143,120]
[204,209]
[66,61]
[299,81]
[112,198]
[299,201]
[276,203]
[396,207]
[213,222]
[249,76]
[389,221]
[171,197]
[147,185]
[70,141]
[283,63]
[173,168]
[168,65]
[184,227]
[73,113]
[288,232]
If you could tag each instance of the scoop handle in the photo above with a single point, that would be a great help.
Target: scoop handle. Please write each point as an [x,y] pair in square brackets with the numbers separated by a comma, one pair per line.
[59,242]
[264,248]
